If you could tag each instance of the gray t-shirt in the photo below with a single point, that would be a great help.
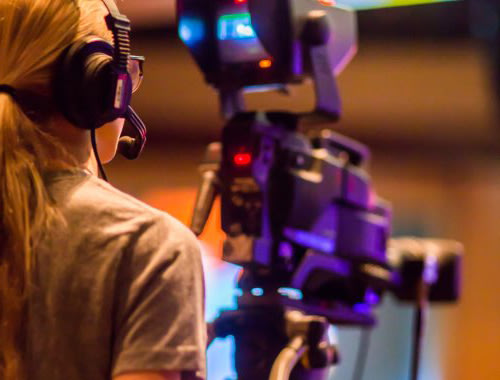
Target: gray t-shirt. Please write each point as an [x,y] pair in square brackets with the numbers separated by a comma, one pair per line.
[117,287]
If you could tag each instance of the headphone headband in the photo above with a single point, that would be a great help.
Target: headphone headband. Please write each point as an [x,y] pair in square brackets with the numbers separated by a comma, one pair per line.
[119,25]
[112,8]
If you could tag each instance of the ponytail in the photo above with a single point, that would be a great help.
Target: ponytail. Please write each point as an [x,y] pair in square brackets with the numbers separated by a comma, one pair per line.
[25,209]
[33,34]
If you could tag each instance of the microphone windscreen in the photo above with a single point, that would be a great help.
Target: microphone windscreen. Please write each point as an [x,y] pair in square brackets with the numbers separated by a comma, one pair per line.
[127,147]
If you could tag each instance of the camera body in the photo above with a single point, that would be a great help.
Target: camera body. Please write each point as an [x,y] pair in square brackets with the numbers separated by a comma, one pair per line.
[301,208]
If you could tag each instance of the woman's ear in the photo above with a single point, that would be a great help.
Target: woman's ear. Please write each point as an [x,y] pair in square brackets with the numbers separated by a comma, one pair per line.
[107,139]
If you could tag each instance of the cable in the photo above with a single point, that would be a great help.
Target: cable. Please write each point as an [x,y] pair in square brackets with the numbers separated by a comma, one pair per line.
[361,358]
[417,342]
[418,328]
[96,153]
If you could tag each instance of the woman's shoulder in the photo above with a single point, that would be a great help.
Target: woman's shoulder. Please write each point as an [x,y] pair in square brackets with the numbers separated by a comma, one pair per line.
[104,195]
[97,205]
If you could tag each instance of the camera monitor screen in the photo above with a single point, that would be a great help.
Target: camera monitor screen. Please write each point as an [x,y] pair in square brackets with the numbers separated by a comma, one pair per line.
[236,37]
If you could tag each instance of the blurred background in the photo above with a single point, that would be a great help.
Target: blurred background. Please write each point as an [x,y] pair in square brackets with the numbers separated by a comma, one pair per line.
[423,94]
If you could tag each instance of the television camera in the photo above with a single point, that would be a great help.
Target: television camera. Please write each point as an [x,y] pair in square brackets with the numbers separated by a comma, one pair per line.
[298,209]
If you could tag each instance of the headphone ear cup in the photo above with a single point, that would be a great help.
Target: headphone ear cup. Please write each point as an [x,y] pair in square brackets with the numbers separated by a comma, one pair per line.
[97,88]
[85,84]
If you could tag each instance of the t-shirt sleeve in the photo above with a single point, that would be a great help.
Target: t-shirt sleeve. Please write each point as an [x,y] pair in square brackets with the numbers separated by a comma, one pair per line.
[159,307]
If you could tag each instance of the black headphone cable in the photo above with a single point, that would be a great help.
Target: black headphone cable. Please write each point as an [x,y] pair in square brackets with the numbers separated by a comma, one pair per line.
[96,153]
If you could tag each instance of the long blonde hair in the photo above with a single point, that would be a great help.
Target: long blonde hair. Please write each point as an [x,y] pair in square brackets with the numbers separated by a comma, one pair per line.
[33,34]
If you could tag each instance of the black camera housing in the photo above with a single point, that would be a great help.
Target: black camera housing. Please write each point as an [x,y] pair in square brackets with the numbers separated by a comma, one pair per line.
[247,44]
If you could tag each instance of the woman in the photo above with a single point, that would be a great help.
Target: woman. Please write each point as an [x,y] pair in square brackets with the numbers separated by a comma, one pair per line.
[93,283]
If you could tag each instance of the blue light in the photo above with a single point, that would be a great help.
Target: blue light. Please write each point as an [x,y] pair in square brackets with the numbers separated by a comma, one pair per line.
[257,292]
[362,308]
[264,88]
[310,240]
[235,27]
[220,278]
[293,294]
[219,354]
[372,298]
[191,30]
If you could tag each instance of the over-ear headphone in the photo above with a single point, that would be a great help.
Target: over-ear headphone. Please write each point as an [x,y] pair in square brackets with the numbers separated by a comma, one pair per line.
[92,85]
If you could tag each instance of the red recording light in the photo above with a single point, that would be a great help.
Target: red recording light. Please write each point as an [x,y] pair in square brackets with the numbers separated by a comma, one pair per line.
[242,159]
[240,1]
